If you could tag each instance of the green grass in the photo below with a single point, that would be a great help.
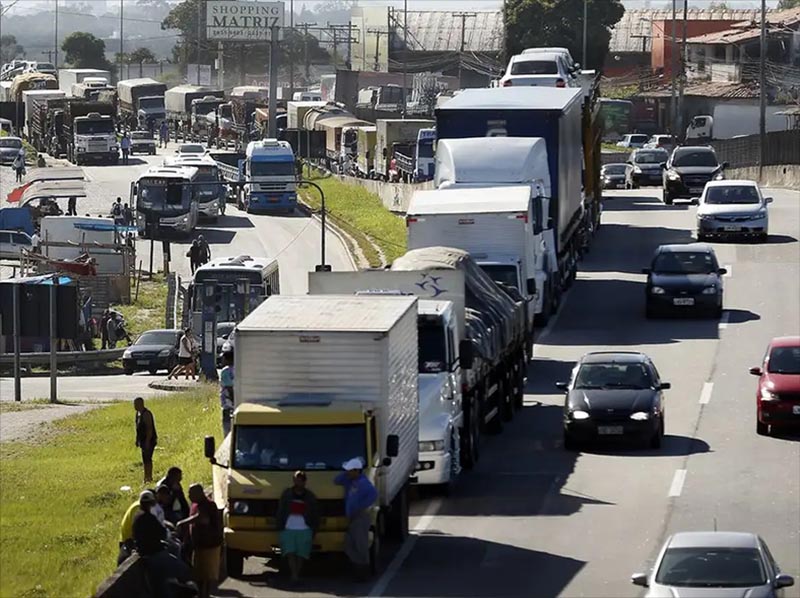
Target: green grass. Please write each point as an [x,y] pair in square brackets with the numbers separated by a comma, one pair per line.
[61,500]
[360,214]
[148,312]
[9,407]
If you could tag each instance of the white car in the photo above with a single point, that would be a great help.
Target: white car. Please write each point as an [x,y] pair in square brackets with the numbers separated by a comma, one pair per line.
[571,64]
[12,242]
[540,69]
[732,208]
[634,140]
[191,149]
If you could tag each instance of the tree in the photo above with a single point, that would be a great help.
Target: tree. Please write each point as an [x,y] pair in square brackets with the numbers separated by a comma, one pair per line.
[10,49]
[184,18]
[718,6]
[532,23]
[787,4]
[84,50]
[140,55]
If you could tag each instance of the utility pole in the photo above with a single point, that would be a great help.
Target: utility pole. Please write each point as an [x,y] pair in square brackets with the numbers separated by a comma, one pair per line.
[55,36]
[405,57]
[762,92]
[334,33]
[463,16]
[121,37]
[220,65]
[291,48]
[585,27]
[378,33]
[306,61]
[200,6]
[684,61]
[673,106]
[272,129]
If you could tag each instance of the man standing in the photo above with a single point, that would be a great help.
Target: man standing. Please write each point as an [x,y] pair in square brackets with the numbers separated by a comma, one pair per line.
[205,250]
[163,137]
[111,331]
[194,255]
[116,210]
[146,436]
[125,146]
[71,206]
[205,530]
[179,507]
[359,496]
[226,392]
[127,215]
[35,241]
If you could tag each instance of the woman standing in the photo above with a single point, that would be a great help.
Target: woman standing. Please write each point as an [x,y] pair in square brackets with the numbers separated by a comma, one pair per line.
[298,520]
[187,348]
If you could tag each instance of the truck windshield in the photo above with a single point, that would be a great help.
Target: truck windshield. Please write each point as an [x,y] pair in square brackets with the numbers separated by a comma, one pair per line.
[205,108]
[432,348]
[271,168]
[155,195]
[289,448]
[208,174]
[151,103]
[94,127]
[426,148]
[506,275]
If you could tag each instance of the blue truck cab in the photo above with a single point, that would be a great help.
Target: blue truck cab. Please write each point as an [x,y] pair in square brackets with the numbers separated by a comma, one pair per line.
[269,169]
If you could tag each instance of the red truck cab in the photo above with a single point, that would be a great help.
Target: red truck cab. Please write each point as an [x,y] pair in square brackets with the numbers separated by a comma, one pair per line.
[778,395]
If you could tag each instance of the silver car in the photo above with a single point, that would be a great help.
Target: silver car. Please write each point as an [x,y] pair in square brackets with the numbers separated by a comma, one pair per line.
[732,208]
[714,565]
[9,148]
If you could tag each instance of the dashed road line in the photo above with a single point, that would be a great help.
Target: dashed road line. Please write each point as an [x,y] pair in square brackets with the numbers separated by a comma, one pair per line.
[705,394]
[676,487]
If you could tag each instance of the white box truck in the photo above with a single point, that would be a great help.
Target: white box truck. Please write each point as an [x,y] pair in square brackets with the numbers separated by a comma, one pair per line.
[30,96]
[68,78]
[493,224]
[319,380]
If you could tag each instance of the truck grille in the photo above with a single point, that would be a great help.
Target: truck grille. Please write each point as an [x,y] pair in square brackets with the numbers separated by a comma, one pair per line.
[278,187]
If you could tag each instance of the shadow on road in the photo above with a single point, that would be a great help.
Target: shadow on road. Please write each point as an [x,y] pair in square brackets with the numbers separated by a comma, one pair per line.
[740,316]
[229,221]
[780,240]
[671,446]
[217,236]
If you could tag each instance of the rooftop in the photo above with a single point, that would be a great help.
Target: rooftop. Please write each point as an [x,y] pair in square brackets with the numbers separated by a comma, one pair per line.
[440,31]
[778,21]
[710,89]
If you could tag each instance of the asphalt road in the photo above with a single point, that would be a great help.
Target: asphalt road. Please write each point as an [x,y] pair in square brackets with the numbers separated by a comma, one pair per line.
[535,520]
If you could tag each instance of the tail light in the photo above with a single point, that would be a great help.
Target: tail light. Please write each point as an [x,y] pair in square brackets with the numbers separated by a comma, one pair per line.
[410,220]
[507,83]
[522,217]
[560,83]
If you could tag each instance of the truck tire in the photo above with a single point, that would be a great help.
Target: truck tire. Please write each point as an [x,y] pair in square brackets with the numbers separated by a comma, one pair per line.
[234,563]
[508,395]
[471,436]
[495,426]
[397,523]
[375,552]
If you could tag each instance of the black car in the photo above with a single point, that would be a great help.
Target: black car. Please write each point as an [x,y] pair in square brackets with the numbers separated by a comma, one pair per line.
[154,350]
[684,278]
[644,167]
[614,395]
[612,176]
[688,170]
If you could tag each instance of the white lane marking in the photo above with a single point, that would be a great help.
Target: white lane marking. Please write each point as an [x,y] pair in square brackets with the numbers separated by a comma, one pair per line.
[705,395]
[729,269]
[676,487]
[422,525]
[724,320]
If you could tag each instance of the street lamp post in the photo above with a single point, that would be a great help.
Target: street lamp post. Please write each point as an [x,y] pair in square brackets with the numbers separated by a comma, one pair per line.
[322,267]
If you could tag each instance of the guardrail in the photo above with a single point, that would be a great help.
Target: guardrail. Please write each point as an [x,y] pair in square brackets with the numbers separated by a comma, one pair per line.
[64,357]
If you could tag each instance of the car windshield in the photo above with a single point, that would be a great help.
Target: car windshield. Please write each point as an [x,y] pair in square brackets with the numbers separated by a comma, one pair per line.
[654,157]
[15,143]
[684,262]
[191,149]
[151,103]
[784,360]
[613,375]
[737,194]
[638,138]
[157,338]
[159,195]
[534,67]
[614,169]
[432,349]
[289,448]
[694,158]
[717,567]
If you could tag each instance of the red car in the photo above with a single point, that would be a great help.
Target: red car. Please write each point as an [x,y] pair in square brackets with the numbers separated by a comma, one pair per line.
[778,398]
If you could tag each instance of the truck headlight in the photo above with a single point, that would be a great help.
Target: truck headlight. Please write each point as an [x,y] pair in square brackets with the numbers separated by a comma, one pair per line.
[240,507]
[431,446]
[579,414]
[81,149]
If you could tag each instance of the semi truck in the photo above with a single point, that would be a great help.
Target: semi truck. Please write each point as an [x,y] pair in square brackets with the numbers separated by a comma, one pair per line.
[69,78]
[29,97]
[416,163]
[180,105]
[90,89]
[558,116]
[320,380]
[141,103]
[89,132]
[442,354]
[30,81]
[391,131]
[495,225]
[45,124]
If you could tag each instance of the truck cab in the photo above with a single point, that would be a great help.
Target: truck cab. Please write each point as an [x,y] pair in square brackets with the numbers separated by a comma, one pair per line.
[94,139]
[150,111]
[204,115]
[269,441]
[269,169]
[424,155]
[700,128]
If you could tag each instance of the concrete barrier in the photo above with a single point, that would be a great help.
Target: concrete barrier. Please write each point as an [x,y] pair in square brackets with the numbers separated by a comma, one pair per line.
[785,175]
[127,581]
[394,196]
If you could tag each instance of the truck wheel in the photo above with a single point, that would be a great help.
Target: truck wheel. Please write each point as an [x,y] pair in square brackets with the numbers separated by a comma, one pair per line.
[495,426]
[471,438]
[541,319]
[234,563]
[508,396]
[375,552]
[397,525]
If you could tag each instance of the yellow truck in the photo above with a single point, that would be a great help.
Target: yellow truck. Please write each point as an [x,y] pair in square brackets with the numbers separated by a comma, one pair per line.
[319,380]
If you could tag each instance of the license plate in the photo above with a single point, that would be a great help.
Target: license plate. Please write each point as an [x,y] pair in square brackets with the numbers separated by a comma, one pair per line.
[696,190]
[142,362]
[683,301]
[610,430]
[732,229]
[796,409]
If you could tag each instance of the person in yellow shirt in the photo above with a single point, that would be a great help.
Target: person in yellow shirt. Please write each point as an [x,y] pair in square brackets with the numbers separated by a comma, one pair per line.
[126,544]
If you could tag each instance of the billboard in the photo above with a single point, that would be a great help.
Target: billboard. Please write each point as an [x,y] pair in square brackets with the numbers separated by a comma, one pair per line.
[243,20]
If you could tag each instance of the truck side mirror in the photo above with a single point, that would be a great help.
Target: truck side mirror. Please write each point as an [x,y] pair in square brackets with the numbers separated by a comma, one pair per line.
[465,354]
[531,286]
[726,165]
[209,448]
[392,445]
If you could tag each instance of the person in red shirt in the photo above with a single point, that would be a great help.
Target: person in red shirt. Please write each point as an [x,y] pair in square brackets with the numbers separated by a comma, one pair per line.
[205,529]
[297,519]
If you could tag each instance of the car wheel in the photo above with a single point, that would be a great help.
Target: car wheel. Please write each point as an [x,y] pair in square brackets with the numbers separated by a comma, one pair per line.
[667,199]
[655,440]
[153,371]
[569,442]
[718,312]
[128,371]
[763,237]
[762,429]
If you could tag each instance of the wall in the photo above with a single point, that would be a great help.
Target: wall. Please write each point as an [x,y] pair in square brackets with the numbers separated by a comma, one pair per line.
[127,581]
[786,176]
[395,196]
[662,35]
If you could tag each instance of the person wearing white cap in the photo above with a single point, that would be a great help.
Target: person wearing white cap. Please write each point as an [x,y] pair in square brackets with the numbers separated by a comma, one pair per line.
[359,496]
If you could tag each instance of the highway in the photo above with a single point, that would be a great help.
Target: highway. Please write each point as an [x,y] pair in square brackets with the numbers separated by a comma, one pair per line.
[535,520]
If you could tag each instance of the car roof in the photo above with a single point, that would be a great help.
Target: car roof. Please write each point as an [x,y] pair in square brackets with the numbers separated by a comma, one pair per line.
[163,330]
[681,247]
[713,539]
[537,57]
[731,183]
[614,356]
[615,164]
[694,148]
[785,341]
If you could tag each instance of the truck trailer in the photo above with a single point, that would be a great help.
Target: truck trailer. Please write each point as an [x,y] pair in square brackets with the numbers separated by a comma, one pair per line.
[391,131]
[141,103]
[320,380]
[69,78]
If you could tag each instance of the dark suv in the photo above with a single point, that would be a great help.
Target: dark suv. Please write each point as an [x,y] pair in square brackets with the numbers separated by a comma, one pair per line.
[688,170]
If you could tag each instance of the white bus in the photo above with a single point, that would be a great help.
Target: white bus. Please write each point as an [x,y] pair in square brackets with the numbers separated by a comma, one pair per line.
[165,198]
[210,197]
